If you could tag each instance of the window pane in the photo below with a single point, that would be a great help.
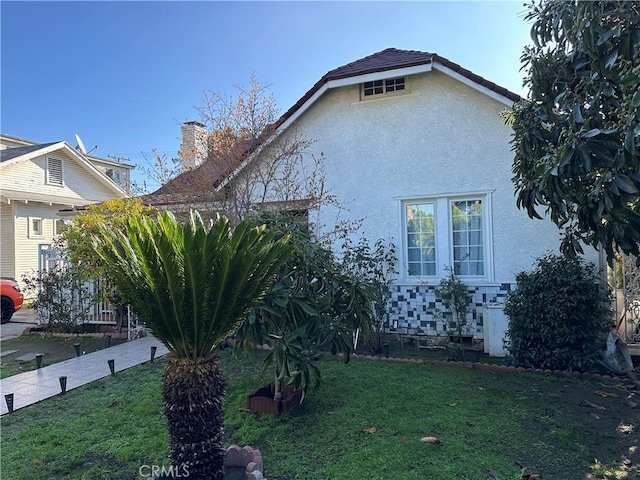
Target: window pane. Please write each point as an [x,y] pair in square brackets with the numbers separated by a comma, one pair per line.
[429,269]
[421,240]
[468,251]
[414,254]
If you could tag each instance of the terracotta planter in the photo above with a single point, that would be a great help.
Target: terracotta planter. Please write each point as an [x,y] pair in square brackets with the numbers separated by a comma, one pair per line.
[262,401]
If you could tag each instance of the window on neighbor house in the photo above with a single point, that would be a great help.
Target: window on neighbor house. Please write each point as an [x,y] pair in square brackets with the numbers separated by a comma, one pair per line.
[57,226]
[445,232]
[379,87]
[35,226]
[54,171]
[114,174]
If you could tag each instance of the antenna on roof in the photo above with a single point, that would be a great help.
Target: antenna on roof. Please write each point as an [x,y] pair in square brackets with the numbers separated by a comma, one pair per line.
[80,146]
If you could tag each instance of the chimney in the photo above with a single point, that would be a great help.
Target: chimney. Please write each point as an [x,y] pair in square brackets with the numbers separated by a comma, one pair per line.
[193,150]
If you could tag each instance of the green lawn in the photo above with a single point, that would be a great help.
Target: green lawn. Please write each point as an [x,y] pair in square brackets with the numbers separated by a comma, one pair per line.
[485,421]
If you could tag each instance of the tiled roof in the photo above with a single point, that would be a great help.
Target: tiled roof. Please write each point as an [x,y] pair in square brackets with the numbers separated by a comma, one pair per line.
[15,152]
[389,59]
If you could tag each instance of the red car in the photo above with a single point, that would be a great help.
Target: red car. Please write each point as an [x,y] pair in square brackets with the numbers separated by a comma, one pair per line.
[11,298]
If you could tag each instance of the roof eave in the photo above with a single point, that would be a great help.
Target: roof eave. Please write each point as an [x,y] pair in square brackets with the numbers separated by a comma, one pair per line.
[508,98]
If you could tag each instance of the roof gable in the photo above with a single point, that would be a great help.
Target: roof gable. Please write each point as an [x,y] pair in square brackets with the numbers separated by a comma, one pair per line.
[388,60]
[392,59]
[16,155]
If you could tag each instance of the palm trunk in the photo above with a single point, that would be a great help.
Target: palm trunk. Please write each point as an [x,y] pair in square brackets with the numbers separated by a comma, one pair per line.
[193,391]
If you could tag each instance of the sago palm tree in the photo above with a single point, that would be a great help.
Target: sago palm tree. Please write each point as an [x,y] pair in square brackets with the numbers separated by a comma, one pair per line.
[192,285]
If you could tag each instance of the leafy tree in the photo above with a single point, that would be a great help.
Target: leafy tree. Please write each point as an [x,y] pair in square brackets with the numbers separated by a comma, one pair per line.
[77,236]
[454,293]
[314,306]
[577,137]
[192,284]
[75,244]
[374,267]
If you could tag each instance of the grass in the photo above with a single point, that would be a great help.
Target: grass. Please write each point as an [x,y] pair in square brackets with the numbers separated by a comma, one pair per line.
[485,421]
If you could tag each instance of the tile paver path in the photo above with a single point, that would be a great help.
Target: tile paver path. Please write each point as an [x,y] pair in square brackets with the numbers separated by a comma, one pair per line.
[31,387]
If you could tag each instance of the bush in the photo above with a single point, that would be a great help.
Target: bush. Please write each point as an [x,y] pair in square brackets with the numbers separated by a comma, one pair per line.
[62,298]
[559,316]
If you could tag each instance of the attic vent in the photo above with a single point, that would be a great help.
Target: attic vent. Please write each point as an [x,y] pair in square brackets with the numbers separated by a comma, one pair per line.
[54,171]
[379,87]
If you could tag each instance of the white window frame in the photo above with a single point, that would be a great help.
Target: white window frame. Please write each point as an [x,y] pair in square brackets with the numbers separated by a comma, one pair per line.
[48,171]
[385,93]
[33,232]
[444,237]
[56,228]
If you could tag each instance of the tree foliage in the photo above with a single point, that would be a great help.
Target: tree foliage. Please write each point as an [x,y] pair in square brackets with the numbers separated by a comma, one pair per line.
[375,268]
[577,138]
[192,284]
[313,307]
[76,238]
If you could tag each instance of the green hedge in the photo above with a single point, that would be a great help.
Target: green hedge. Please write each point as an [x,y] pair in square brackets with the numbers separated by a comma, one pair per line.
[559,315]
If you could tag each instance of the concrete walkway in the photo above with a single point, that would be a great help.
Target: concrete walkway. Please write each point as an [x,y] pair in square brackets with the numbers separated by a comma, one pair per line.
[22,319]
[31,387]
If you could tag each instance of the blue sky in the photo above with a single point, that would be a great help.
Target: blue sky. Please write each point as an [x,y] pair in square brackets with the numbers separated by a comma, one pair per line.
[125,75]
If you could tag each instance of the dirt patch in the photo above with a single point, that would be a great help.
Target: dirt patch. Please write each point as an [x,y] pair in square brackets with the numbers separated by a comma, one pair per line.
[53,350]
[604,418]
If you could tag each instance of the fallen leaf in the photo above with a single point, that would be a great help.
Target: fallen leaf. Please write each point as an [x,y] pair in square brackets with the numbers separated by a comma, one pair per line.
[456,403]
[431,440]
[606,394]
[370,430]
[632,404]
[587,403]
[493,473]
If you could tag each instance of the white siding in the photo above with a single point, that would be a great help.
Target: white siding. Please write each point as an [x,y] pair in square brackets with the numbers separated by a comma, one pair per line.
[27,243]
[7,242]
[30,176]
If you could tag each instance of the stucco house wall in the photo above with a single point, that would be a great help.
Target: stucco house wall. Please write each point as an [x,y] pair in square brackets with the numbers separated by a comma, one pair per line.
[415,148]
[440,140]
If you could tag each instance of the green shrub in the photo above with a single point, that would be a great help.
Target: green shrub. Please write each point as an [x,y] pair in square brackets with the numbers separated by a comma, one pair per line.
[559,316]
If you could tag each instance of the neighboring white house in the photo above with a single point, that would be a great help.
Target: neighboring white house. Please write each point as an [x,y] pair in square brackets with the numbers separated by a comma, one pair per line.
[36,182]
[415,146]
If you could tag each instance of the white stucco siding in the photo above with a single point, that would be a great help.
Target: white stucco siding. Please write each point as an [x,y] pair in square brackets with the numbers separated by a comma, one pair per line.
[442,138]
